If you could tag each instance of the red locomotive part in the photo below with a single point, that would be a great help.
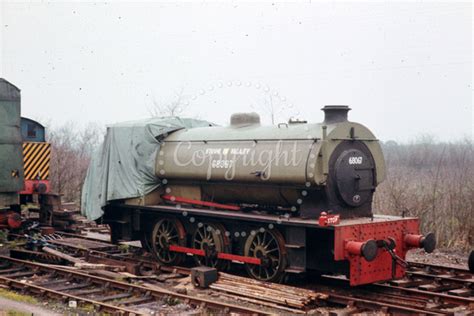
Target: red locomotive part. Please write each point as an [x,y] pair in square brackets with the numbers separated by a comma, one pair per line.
[177,199]
[362,244]
[36,187]
[220,255]
[329,220]
[10,219]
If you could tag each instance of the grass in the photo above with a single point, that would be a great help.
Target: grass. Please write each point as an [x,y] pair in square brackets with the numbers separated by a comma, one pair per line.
[11,295]
[14,296]
[11,312]
[124,247]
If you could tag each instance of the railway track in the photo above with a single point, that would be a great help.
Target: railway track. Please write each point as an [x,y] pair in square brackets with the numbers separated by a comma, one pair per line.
[455,275]
[445,290]
[424,301]
[105,295]
[428,289]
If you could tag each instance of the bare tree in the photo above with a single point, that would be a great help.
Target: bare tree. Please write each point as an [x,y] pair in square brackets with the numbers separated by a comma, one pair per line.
[71,153]
[269,107]
[174,107]
[266,107]
[274,107]
[435,182]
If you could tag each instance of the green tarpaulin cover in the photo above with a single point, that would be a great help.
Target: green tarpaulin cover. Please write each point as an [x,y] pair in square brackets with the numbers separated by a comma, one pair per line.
[124,165]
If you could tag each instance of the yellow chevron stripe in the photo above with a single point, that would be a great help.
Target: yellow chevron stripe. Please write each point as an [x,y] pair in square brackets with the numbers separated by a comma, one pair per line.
[44,168]
[33,150]
[45,172]
[30,150]
[35,170]
[26,149]
[35,160]
[32,172]
[44,165]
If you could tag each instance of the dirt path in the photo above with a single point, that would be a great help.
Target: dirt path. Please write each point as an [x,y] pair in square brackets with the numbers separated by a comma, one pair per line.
[10,305]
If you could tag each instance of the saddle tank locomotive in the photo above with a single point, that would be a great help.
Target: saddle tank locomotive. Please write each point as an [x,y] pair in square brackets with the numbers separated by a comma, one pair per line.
[285,199]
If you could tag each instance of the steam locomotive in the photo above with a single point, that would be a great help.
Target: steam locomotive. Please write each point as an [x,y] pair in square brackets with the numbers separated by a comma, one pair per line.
[286,199]
[24,157]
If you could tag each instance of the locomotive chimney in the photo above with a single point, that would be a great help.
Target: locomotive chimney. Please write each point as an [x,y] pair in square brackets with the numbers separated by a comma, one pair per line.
[335,113]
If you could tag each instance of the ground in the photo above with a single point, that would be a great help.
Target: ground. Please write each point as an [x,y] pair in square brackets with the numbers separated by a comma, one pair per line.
[15,304]
[12,303]
[11,307]
[444,257]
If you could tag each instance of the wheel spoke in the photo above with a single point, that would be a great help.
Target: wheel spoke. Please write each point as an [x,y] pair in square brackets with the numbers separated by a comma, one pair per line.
[173,237]
[205,238]
[266,273]
[166,232]
[275,261]
[265,245]
[264,238]
[162,229]
[272,250]
[272,240]
[200,234]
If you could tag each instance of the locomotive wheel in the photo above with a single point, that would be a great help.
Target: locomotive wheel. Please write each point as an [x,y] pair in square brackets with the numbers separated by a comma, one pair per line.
[210,238]
[145,241]
[269,246]
[168,231]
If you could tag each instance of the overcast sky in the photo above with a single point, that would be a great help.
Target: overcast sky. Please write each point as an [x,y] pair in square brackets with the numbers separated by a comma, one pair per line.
[404,68]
